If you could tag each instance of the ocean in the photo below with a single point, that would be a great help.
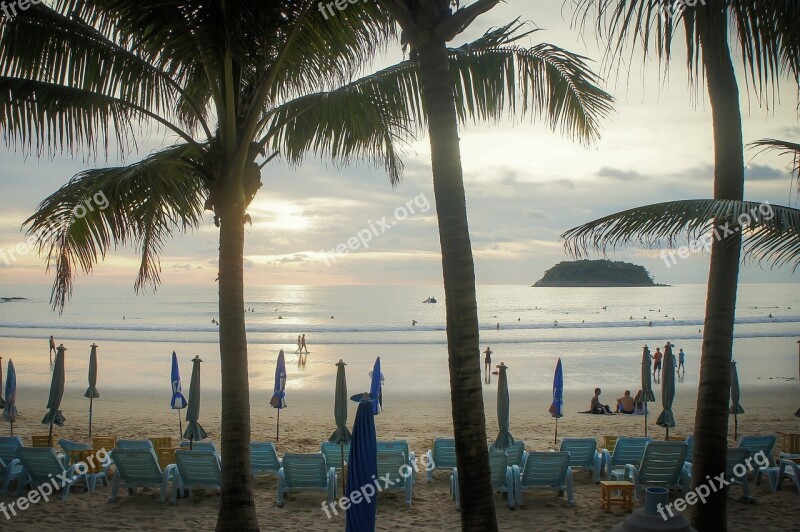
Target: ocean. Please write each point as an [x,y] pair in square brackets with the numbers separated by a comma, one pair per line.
[599,333]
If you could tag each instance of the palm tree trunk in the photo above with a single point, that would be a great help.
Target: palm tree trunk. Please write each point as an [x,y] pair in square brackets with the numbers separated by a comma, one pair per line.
[466,388]
[236,508]
[711,422]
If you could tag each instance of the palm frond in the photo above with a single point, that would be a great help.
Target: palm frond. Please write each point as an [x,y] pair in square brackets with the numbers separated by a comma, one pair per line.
[142,205]
[771,233]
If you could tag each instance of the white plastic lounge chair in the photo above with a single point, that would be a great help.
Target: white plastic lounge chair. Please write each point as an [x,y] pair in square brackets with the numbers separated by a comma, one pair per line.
[305,472]
[139,468]
[442,457]
[502,478]
[661,465]
[583,454]
[40,465]
[195,469]
[544,470]
[395,464]
[264,458]
[626,451]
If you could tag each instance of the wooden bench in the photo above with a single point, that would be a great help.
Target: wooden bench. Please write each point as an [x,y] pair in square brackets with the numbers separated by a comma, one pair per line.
[607,490]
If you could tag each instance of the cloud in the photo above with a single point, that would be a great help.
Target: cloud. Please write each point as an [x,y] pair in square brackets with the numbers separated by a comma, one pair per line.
[762,172]
[536,214]
[619,174]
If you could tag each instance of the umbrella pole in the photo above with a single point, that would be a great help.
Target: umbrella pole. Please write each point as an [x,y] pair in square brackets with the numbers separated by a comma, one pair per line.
[278,427]
[191,441]
[735,427]
[645,419]
[180,425]
[344,488]
[667,436]
[555,435]
[90,416]
[12,427]
[50,435]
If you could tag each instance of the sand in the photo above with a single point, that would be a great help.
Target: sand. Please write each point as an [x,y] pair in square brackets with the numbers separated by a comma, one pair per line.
[417,418]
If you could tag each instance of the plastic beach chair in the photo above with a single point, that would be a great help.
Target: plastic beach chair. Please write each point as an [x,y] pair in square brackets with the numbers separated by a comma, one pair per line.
[502,478]
[264,458]
[626,451]
[396,466]
[758,444]
[10,468]
[70,447]
[301,472]
[516,453]
[549,470]
[735,456]
[790,470]
[195,469]
[139,468]
[442,457]
[398,445]
[583,454]
[40,465]
[661,465]
[333,454]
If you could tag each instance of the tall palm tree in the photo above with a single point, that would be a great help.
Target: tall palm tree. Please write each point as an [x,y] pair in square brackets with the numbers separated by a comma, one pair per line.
[428,25]
[275,79]
[766,32]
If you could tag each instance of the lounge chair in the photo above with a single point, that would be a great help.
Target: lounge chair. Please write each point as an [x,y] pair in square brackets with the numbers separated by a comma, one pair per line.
[104,442]
[305,472]
[549,470]
[139,468]
[264,458]
[442,457]
[516,453]
[134,444]
[195,469]
[583,454]
[689,449]
[791,470]
[10,468]
[161,442]
[626,451]
[398,445]
[333,454]
[70,447]
[40,465]
[735,456]
[758,444]
[395,464]
[661,465]
[200,446]
[502,478]
[43,440]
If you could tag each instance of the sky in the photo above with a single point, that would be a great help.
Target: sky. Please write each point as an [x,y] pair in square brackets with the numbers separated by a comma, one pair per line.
[525,185]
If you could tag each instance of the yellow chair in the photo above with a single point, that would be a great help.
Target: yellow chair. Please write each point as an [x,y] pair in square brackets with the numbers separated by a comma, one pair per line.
[166,456]
[43,440]
[676,438]
[791,443]
[609,442]
[104,442]
[162,443]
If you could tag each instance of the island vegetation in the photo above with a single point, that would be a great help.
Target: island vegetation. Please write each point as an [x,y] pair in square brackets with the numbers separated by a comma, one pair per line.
[596,273]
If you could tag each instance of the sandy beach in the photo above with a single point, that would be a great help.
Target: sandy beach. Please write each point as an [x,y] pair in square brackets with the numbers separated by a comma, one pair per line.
[414,417]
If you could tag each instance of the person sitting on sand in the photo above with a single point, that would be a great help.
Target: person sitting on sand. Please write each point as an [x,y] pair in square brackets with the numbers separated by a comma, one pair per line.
[625,404]
[596,406]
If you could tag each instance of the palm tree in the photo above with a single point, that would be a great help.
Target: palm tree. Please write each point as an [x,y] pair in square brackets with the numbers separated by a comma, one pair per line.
[276,80]
[769,41]
[428,25]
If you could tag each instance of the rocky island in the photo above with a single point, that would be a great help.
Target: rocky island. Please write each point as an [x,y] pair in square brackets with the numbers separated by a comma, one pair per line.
[596,273]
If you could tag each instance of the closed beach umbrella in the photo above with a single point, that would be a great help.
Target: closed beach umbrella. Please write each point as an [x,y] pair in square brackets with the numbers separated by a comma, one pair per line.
[91,391]
[557,406]
[666,419]
[2,401]
[504,438]
[362,466]
[193,429]
[178,401]
[10,410]
[647,385]
[341,435]
[54,415]
[376,387]
[279,391]
[736,408]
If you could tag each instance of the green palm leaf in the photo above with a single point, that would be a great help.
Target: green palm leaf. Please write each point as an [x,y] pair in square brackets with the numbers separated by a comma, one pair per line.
[771,233]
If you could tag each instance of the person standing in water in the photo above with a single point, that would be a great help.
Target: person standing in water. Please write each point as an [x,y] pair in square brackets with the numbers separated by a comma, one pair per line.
[303,343]
[299,344]
[52,345]
[681,359]
[657,359]
[487,365]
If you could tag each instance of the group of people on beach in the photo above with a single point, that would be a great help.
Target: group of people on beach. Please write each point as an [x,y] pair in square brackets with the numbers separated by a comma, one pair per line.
[625,404]
[679,364]
[301,345]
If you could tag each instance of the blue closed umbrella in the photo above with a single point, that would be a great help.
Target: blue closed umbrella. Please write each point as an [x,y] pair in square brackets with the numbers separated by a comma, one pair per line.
[54,415]
[376,387]
[194,431]
[2,401]
[736,408]
[667,419]
[91,391]
[504,438]
[178,401]
[279,392]
[362,467]
[557,406]
[10,410]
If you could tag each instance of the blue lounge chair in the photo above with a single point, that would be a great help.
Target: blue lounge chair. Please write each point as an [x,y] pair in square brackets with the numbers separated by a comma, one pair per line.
[40,465]
[689,449]
[195,469]
[305,472]
[626,451]
[790,470]
[139,468]
[134,444]
[661,465]
[395,464]
[70,447]
[583,454]
[201,446]
[758,444]
[516,453]
[502,478]
[398,445]
[549,470]
[442,457]
[10,468]
[333,454]
[735,456]
[264,458]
